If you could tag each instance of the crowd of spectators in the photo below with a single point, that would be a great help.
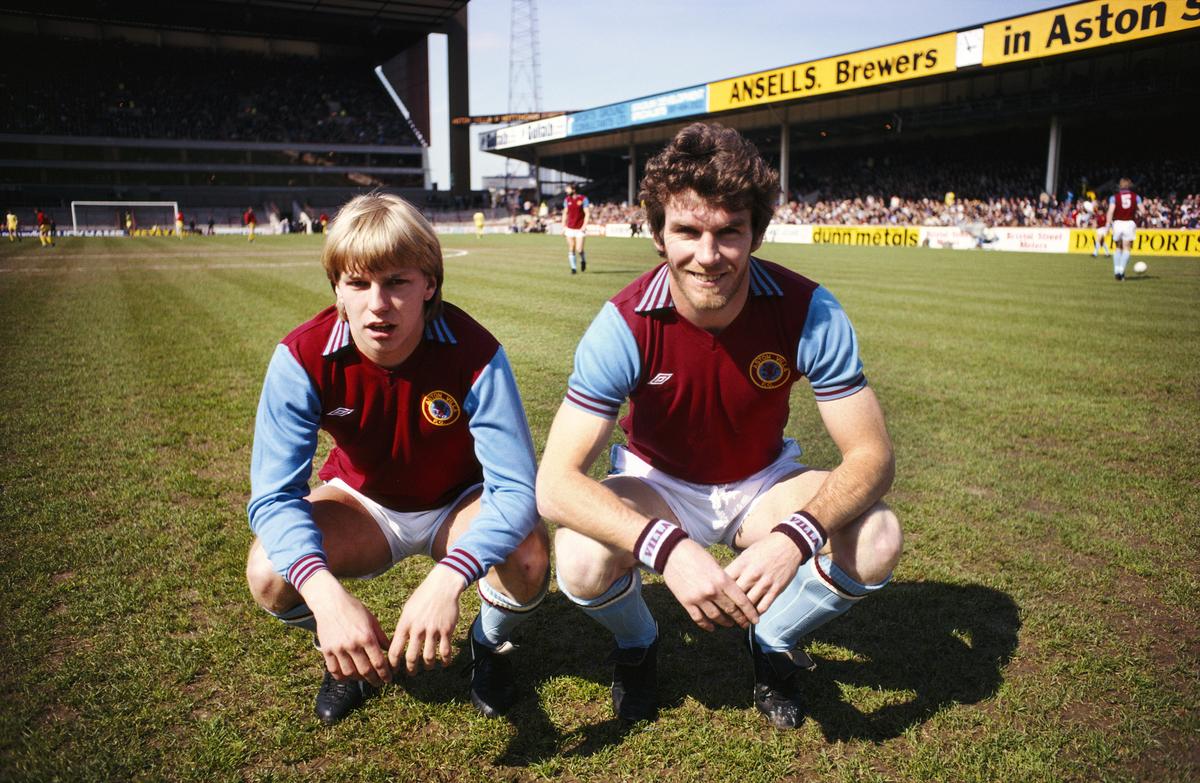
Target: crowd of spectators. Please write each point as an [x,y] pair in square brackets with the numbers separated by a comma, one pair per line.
[1169,212]
[82,88]
[924,190]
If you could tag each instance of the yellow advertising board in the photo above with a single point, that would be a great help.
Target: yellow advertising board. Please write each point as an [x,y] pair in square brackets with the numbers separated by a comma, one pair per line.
[1147,242]
[867,236]
[868,68]
[1084,26]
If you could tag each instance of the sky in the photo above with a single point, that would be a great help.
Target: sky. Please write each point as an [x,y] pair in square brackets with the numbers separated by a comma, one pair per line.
[597,52]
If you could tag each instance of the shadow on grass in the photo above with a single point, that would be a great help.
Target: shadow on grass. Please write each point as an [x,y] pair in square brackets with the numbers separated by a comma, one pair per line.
[913,649]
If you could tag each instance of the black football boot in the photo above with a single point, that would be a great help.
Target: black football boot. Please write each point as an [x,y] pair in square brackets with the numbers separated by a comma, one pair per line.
[492,690]
[338,698]
[635,683]
[775,684]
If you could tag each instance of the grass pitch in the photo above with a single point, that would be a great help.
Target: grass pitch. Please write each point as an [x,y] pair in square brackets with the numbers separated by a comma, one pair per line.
[1042,625]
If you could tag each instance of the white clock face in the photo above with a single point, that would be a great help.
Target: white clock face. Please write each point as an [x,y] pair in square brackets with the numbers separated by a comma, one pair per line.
[970,47]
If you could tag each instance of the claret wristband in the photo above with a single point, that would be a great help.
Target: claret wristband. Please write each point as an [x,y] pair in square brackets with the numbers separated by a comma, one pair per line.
[805,531]
[656,542]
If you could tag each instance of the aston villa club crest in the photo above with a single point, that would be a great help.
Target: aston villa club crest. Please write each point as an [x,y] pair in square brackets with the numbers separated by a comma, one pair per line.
[769,370]
[440,409]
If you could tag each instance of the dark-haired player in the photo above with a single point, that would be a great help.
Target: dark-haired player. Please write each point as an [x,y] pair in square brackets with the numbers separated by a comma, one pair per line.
[576,211]
[705,347]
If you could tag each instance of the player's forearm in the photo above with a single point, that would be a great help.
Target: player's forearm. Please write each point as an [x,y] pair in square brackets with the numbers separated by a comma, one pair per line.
[445,581]
[323,593]
[569,498]
[504,449]
[861,480]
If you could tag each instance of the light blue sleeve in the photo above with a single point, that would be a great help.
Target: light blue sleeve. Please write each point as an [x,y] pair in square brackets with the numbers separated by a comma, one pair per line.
[285,440]
[504,448]
[607,365]
[828,350]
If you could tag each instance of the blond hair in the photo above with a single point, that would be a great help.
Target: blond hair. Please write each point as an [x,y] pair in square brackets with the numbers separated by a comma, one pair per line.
[377,232]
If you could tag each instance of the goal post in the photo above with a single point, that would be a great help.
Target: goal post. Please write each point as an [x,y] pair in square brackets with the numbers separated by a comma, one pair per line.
[111,217]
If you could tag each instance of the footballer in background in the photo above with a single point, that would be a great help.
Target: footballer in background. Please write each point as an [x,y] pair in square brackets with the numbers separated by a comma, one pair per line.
[1100,215]
[1124,207]
[577,210]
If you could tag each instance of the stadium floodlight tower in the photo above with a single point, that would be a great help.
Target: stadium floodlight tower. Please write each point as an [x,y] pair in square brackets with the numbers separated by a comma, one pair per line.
[109,217]
[524,73]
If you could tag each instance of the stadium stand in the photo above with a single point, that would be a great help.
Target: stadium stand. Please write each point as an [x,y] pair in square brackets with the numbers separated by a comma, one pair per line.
[85,88]
[213,129]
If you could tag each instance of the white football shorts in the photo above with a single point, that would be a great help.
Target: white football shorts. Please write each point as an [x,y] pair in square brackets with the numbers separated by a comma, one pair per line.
[408,533]
[1123,230]
[1101,231]
[574,232]
[709,513]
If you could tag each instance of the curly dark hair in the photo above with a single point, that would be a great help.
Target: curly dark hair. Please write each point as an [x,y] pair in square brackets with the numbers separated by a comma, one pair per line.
[721,165]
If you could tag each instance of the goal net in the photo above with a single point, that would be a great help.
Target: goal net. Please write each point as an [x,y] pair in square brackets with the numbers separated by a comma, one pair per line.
[117,217]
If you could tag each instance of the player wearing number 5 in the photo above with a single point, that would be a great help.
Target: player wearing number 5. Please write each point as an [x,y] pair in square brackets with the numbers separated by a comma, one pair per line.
[705,348]
[432,455]
[1124,207]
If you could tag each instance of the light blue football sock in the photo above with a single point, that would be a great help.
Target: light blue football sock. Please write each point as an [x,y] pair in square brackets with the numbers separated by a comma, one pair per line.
[818,593]
[622,610]
[571,260]
[299,616]
[499,614]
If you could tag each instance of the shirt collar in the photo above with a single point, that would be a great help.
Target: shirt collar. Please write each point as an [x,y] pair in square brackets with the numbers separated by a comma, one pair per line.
[658,292]
[436,330]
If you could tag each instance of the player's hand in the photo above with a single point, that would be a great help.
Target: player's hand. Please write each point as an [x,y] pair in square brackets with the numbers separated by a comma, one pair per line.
[427,622]
[765,567]
[352,640]
[710,596]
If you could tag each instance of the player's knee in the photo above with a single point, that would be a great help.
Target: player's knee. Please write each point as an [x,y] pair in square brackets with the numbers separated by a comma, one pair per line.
[584,567]
[884,542]
[267,587]
[525,569]
[869,548]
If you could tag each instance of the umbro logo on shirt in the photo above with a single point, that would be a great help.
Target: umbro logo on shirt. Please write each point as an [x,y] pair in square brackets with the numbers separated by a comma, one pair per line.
[660,379]
[340,412]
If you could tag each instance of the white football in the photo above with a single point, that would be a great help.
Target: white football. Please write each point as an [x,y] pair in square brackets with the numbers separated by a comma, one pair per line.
[1140,268]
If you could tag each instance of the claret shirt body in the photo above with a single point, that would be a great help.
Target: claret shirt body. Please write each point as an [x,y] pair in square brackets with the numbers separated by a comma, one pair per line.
[712,408]
[573,209]
[1125,204]
[412,437]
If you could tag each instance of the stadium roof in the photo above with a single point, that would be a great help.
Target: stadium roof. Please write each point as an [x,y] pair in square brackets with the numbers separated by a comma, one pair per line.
[957,76]
[342,22]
